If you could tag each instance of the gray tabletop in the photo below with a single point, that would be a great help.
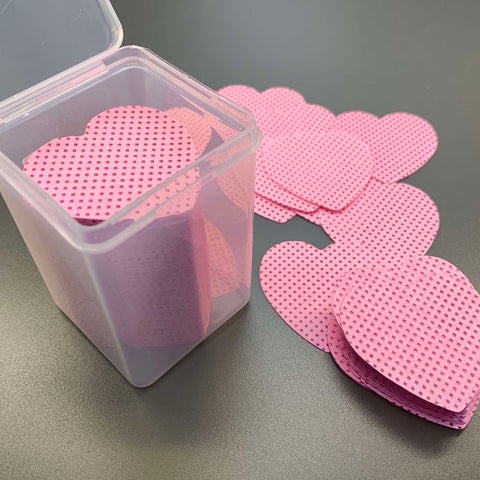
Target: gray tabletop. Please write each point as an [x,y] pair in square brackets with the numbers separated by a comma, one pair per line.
[255,401]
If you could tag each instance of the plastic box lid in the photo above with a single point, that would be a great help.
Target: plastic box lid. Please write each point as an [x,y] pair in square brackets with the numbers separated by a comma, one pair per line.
[42,39]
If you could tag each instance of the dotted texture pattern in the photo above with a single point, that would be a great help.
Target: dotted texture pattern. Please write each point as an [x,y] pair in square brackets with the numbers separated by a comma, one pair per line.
[197,127]
[298,280]
[268,188]
[399,143]
[280,98]
[304,117]
[124,153]
[401,324]
[419,326]
[329,169]
[396,219]
[271,210]
[362,373]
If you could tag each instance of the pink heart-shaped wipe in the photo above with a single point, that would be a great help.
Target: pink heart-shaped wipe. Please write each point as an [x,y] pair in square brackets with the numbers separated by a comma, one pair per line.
[362,373]
[400,143]
[124,153]
[279,111]
[298,279]
[355,278]
[418,325]
[329,169]
[271,210]
[274,123]
[396,219]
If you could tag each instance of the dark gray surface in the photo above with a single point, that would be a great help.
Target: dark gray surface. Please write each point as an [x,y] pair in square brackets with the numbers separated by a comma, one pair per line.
[255,401]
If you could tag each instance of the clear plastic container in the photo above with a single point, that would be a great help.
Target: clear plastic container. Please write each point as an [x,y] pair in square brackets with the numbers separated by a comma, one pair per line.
[155,279]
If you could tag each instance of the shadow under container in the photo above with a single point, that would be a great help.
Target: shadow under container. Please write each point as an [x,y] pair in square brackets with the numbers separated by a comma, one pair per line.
[151,282]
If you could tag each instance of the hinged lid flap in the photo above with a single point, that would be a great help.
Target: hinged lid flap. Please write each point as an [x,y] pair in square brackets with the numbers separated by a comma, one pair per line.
[41,38]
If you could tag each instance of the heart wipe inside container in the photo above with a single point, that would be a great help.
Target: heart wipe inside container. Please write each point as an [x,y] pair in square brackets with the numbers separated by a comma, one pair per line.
[137,269]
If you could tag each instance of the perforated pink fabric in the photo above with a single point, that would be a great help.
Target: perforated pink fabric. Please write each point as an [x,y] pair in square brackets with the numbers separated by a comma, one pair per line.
[271,210]
[276,97]
[269,189]
[344,284]
[298,280]
[279,110]
[182,195]
[401,143]
[365,375]
[329,169]
[419,326]
[404,326]
[304,117]
[362,373]
[282,98]
[124,153]
[396,219]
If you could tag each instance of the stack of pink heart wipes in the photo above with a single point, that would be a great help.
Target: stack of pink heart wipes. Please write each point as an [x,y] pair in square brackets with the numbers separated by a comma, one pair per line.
[407,329]
[312,162]
[402,324]
[411,333]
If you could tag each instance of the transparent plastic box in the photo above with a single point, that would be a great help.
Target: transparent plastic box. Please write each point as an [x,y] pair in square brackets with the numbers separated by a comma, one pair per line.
[151,282]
